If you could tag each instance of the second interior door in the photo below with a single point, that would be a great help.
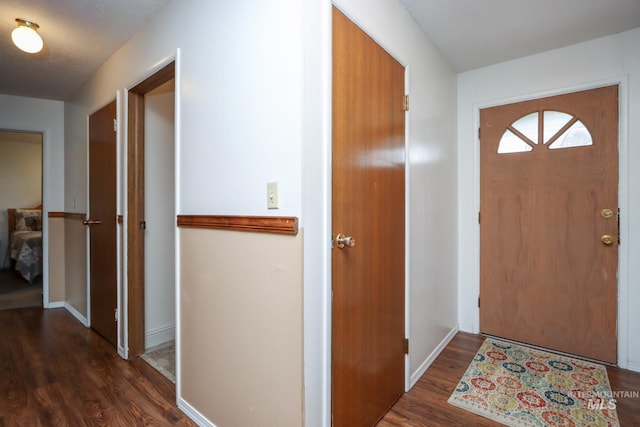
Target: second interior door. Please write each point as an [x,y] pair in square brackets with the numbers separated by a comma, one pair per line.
[368,210]
[102,222]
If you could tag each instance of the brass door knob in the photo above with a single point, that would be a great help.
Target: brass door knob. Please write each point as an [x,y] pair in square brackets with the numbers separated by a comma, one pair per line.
[342,241]
[606,239]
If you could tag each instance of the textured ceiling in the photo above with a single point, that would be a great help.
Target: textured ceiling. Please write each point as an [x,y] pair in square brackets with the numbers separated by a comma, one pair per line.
[475,33]
[79,36]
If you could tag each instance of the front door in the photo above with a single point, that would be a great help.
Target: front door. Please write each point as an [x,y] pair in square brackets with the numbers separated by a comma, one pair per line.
[368,215]
[102,222]
[549,222]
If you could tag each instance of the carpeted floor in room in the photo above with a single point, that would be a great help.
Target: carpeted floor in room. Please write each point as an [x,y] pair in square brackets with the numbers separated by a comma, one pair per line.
[15,292]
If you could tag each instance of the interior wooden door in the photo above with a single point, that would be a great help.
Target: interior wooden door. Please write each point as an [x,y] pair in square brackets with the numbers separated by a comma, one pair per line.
[368,206]
[549,222]
[102,222]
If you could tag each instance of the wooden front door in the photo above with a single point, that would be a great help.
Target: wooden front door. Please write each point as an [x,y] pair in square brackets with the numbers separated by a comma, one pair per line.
[368,206]
[102,222]
[549,222]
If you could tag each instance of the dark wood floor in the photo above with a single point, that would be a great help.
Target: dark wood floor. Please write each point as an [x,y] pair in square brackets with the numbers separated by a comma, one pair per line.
[426,403]
[56,372]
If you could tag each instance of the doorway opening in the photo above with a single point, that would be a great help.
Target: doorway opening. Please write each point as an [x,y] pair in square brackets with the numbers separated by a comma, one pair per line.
[21,230]
[151,221]
[159,268]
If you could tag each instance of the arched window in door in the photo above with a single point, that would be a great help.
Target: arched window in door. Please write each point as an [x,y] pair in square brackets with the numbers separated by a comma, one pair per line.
[544,129]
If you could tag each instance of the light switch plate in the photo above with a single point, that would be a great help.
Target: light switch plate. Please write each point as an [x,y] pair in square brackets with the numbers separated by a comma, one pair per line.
[273,198]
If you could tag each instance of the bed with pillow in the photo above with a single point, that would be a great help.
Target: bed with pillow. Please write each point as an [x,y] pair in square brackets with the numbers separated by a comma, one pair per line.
[25,241]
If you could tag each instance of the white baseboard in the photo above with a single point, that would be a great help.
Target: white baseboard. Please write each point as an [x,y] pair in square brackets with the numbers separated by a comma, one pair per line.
[161,335]
[633,367]
[122,353]
[435,353]
[76,314]
[194,414]
[57,304]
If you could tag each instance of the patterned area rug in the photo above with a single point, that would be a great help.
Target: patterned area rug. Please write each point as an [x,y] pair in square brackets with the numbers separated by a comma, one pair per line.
[521,386]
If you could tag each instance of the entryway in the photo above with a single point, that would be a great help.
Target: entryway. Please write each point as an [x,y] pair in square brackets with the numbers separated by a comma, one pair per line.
[549,222]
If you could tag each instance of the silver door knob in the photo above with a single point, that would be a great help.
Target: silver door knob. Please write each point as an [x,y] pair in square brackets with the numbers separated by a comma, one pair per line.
[342,241]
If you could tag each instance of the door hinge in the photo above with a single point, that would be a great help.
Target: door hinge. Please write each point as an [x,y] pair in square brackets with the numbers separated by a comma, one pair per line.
[115,125]
[478,217]
[405,103]
[479,134]
[143,225]
[478,302]
[115,314]
[406,346]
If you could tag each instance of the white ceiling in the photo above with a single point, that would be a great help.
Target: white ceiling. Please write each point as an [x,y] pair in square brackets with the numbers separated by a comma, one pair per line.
[475,33]
[80,35]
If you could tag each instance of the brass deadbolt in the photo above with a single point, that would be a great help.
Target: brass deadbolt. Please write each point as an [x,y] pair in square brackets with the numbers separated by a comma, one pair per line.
[606,213]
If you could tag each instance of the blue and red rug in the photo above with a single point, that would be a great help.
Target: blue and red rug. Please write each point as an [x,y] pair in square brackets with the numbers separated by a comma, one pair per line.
[521,386]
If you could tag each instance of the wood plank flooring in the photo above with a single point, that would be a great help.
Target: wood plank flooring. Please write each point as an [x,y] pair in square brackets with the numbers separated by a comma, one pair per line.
[56,372]
[426,403]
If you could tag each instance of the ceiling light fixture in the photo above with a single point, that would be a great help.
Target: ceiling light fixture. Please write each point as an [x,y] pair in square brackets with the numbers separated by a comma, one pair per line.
[26,36]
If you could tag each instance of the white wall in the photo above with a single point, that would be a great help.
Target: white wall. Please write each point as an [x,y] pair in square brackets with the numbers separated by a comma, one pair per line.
[253,106]
[316,133]
[598,62]
[76,126]
[239,96]
[159,269]
[431,186]
[20,179]
[240,101]
[47,117]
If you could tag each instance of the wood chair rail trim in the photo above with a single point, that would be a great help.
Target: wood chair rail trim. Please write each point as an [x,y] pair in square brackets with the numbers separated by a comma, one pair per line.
[261,224]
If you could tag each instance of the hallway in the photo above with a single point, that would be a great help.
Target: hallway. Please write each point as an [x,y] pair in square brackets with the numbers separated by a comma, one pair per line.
[56,372]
